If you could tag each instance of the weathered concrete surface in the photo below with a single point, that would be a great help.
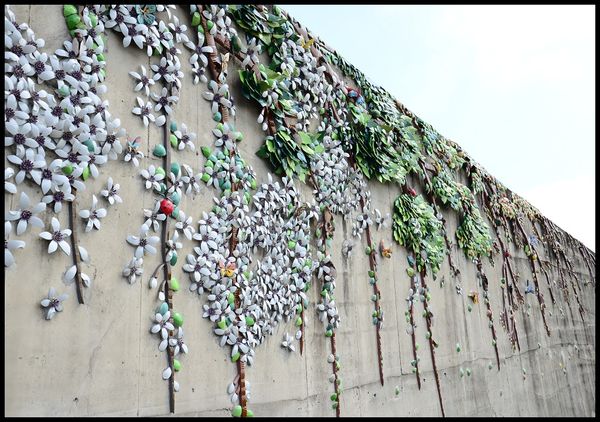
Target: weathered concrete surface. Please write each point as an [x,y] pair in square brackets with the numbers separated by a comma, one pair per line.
[100,359]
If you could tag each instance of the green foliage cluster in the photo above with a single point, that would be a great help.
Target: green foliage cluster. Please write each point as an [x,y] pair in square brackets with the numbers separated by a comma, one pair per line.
[416,227]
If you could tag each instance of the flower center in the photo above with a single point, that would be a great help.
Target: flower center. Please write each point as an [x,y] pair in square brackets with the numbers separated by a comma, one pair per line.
[26,165]
[17,50]
[57,111]
[73,158]
[110,139]
[18,71]
[143,242]
[39,67]
[75,99]
[46,174]
[16,93]
[59,196]
[32,119]
[25,215]
[60,74]
[57,237]
[9,113]
[19,139]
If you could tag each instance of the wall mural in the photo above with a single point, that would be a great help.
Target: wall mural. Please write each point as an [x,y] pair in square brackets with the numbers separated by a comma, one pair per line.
[320,129]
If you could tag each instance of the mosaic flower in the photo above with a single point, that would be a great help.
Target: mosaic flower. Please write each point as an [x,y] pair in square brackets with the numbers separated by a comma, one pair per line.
[145,244]
[26,214]
[93,215]
[57,238]
[144,82]
[53,303]
[134,269]
[111,192]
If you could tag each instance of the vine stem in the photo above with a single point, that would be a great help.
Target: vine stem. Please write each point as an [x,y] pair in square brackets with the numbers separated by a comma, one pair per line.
[412,323]
[75,249]
[489,310]
[455,271]
[539,295]
[506,267]
[431,344]
[212,62]
[167,265]
[327,217]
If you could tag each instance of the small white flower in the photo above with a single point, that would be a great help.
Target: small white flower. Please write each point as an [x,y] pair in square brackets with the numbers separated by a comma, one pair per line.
[185,225]
[60,195]
[93,215]
[111,193]
[178,343]
[152,178]
[172,245]
[218,96]
[134,269]
[186,138]
[164,101]
[144,243]
[144,82]
[144,111]
[251,51]
[179,30]
[163,326]
[287,343]
[154,217]
[135,33]
[57,238]
[53,303]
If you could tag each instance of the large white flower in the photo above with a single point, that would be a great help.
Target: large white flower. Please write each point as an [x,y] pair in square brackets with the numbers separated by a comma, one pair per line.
[57,238]
[144,82]
[136,33]
[26,214]
[29,164]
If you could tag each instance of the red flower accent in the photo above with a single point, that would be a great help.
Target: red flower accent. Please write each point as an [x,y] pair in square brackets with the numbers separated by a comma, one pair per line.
[166,206]
[411,192]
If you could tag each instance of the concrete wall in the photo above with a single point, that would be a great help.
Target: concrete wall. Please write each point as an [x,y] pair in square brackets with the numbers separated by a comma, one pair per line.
[100,359]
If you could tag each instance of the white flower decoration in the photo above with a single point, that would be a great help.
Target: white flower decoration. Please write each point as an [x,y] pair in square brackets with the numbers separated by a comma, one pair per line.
[57,238]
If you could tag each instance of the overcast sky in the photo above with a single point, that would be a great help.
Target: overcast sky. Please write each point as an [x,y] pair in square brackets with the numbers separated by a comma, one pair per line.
[513,85]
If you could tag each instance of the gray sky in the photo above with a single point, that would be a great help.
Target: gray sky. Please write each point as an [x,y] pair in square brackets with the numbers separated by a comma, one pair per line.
[513,85]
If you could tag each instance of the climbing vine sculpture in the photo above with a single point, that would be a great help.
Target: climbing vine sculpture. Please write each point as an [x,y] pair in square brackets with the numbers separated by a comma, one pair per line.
[261,247]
